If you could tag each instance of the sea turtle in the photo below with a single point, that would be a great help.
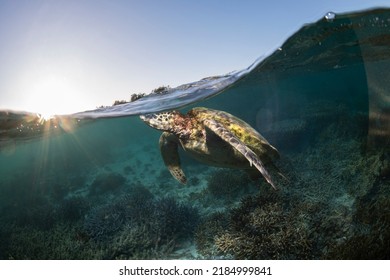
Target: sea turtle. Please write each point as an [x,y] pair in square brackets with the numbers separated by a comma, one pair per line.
[213,137]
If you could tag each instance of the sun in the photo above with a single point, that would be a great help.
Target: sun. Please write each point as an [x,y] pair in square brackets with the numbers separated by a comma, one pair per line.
[56,86]
[51,96]
[44,117]
[48,107]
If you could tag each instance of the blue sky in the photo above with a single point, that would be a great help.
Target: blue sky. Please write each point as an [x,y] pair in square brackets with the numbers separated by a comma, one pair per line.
[66,56]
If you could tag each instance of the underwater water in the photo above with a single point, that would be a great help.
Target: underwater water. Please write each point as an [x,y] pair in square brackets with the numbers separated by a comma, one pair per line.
[94,186]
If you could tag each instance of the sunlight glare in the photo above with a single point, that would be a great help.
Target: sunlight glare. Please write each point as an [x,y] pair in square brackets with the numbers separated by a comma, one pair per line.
[53,95]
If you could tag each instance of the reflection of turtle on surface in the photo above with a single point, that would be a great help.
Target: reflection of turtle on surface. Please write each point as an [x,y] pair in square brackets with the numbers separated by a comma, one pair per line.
[213,137]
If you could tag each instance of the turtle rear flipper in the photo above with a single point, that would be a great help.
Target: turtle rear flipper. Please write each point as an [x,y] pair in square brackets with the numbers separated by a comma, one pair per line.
[230,138]
[170,155]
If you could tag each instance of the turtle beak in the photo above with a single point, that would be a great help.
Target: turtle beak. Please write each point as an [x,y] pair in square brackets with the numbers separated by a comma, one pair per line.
[153,120]
[148,119]
[161,121]
[144,117]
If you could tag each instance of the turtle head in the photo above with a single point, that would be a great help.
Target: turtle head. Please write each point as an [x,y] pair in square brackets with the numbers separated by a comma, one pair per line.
[165,121]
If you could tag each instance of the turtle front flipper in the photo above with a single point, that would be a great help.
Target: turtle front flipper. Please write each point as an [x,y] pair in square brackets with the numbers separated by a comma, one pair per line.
[230,138]
[170,155]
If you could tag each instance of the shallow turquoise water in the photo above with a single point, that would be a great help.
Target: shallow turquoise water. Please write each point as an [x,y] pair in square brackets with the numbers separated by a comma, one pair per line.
[93,188]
